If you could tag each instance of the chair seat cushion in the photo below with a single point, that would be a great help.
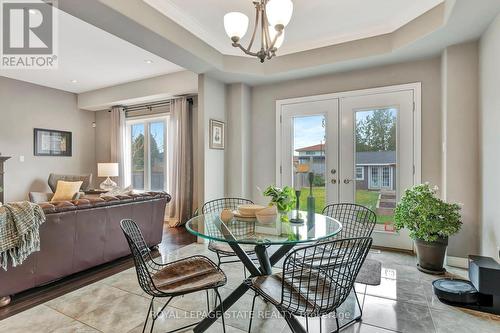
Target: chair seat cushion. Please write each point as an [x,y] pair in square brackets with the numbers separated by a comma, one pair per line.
[225,249]
[190,274]
[301,294]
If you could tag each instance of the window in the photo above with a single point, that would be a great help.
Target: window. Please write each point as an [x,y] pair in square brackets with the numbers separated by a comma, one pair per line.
[145,153]
[360,173]
[386,177]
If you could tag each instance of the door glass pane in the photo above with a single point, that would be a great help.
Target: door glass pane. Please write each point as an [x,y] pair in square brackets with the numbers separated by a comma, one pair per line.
[375,152]
[309,159]
[157,155]
[386,177]
[137,156]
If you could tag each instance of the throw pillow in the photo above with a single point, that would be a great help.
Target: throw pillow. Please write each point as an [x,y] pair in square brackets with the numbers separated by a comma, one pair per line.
[66,190]
[118,191]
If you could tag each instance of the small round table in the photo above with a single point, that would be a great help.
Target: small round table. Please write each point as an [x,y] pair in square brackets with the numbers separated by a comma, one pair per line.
[249,231]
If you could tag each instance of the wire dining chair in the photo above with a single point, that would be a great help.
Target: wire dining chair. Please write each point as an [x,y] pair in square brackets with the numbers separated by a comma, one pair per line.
[169,280]
[223,251]
[357,220]
[315,288]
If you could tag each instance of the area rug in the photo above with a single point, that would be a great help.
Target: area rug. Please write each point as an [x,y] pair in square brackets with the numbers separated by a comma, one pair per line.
[370,272]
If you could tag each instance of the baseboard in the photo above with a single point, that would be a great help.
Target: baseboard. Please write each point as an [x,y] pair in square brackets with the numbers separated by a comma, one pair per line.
[457,262]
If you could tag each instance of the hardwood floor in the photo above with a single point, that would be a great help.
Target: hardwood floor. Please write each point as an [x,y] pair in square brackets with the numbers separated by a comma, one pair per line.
[173,238]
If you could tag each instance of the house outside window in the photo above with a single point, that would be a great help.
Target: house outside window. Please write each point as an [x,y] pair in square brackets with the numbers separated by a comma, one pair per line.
[146,166]
[360,173]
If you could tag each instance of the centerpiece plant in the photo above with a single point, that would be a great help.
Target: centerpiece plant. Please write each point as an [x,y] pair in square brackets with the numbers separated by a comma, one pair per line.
[283,198]
[430,221]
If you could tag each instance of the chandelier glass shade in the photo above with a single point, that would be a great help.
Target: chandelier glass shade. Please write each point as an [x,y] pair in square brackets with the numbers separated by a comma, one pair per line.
[271,18]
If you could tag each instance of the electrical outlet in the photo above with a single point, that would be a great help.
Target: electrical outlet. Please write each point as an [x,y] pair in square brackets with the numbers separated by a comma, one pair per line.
[21,158]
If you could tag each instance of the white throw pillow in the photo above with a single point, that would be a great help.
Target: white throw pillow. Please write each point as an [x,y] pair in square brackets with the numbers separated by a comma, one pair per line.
[118,191]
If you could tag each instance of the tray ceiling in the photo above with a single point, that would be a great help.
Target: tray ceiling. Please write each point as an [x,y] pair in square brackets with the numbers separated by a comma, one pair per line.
[314,24]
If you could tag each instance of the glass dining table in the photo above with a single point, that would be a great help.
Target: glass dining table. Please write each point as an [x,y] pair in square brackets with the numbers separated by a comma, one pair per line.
[248,231]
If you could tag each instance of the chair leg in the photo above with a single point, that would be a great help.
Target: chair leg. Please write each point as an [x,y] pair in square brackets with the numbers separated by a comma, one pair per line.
[359,305]
[245,272]
[218,260]
[147,316]
[251,313]
[307,323]
[208,303]
[222,310]
[153,316]
[337,321]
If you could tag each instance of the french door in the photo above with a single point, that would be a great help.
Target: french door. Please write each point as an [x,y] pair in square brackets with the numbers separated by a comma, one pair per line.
[359,147]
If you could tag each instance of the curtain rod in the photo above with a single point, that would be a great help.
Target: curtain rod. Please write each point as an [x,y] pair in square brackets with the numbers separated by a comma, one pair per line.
[151,106]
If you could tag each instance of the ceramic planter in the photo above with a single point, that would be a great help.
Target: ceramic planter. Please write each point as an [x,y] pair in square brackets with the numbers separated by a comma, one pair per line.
[431,255]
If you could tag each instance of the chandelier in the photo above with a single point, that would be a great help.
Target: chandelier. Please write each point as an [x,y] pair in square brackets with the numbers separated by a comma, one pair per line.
[271,18]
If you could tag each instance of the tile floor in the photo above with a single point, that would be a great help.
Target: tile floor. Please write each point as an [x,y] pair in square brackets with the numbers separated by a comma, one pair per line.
[404,302]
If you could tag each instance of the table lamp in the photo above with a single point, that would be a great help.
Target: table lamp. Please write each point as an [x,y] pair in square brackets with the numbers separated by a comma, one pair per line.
[107,170]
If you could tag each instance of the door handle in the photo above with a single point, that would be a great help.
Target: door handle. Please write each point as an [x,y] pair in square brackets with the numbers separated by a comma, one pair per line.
[333,181]
[347,181]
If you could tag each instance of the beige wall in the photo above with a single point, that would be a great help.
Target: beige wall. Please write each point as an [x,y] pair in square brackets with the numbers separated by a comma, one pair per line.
[460,169]
[24,106]
[102,136]
[264,111]
[238,182]
[490,138]
[211,105]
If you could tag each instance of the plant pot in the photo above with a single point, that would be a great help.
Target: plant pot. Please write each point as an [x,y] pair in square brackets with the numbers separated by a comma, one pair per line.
[431,255]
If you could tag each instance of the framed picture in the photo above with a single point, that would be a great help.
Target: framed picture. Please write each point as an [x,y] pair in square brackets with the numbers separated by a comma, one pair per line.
[217,134]
[48,142]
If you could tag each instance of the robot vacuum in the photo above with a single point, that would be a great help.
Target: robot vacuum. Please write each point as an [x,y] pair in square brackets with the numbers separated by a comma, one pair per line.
[481,293]
[456,292]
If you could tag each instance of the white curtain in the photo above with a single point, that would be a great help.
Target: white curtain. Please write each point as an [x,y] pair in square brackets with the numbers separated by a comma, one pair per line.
[181,162]
[118,141]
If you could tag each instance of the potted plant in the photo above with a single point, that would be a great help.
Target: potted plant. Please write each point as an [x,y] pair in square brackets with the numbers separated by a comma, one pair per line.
[282,198]
[430,221]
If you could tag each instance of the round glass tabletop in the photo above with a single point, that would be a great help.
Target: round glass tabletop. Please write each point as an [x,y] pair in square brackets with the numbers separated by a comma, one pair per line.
[250,231]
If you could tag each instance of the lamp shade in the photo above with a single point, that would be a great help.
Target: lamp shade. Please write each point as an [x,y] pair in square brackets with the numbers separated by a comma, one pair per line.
[272,34]
[236,24]
[279,12]
[107,170]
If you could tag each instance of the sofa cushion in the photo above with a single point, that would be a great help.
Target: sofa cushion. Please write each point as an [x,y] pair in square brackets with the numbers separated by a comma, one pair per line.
[85,179]
[90,202]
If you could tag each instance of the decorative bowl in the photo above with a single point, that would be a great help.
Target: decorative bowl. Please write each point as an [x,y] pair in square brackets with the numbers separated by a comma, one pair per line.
[226,215]
[267,215]
[249,210]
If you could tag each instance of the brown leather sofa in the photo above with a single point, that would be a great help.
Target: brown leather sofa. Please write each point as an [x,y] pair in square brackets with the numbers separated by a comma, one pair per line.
[84,233]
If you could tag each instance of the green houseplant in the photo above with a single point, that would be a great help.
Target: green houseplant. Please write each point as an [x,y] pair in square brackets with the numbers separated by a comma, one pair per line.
[430,222]
[282,198]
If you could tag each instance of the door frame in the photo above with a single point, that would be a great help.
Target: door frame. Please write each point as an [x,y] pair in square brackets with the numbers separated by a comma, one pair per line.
[415,87]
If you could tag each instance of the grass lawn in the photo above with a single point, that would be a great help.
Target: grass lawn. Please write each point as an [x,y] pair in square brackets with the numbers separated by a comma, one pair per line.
[369,200]
[363,197]
[319,195]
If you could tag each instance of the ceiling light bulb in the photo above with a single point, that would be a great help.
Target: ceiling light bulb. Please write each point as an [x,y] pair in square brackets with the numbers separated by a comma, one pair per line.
[281,38]
[279,12]
[74,81]
[236,25]
[33,11]
[148,61]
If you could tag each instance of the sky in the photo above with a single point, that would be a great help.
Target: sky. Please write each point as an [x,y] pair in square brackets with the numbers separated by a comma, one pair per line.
[309,131]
